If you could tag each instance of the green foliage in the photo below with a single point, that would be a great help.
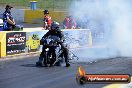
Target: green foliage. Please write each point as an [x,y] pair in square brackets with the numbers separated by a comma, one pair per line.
[41,4]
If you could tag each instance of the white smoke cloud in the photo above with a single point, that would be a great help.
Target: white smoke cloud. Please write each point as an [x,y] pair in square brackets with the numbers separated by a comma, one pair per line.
[112,16]
[122,17]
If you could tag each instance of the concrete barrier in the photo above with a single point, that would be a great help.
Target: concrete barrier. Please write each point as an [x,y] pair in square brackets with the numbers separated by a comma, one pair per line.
[75,39]
[79,42]
[3,44]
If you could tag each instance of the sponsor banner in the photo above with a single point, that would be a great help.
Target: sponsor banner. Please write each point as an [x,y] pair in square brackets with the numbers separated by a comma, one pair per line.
[33,41]
[73,39]
[15,43]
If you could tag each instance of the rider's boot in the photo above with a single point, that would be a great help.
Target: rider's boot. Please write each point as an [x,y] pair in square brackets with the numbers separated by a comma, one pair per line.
[67,64]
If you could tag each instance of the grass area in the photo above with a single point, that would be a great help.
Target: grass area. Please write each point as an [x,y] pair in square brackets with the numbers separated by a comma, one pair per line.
[15,2]
[41,4]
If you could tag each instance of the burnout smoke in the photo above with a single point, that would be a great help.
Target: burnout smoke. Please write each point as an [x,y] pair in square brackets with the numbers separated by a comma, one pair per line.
[113,17]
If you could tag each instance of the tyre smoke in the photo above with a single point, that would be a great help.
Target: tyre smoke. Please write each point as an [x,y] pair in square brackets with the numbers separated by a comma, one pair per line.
[113,17]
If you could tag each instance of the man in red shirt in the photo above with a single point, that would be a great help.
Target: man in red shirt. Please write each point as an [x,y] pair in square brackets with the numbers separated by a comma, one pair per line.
[47,20]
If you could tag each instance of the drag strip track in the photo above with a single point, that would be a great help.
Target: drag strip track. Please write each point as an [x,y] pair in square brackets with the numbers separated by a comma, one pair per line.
[23,73]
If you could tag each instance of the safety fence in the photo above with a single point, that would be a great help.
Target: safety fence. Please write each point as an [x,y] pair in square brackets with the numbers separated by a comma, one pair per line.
[24,42]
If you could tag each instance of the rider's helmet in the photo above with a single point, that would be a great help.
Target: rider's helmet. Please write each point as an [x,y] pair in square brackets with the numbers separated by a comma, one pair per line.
[46,12]
[54,25]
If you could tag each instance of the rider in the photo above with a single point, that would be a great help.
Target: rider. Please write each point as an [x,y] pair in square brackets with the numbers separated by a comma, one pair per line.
[55,31]
[47,20]
[8,20]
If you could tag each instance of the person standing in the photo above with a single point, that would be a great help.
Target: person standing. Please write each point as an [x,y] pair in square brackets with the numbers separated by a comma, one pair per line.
[47,20]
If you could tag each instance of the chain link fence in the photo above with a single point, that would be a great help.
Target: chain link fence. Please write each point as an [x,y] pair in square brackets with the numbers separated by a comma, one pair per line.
[59,5]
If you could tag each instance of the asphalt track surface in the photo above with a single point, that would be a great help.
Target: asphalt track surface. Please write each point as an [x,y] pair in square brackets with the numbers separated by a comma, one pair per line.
[22,73]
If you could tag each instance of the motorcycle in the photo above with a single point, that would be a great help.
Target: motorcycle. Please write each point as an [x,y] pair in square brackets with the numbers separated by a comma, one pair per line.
[52,51]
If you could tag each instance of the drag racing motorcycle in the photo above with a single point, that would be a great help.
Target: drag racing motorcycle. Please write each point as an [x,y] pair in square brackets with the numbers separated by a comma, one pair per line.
[53,52]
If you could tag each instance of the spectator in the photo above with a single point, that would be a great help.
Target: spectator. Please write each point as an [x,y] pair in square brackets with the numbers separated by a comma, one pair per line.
[69,23]
[47,20]
[8,20]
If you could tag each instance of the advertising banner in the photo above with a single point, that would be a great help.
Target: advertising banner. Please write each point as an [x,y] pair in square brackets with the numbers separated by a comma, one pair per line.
[15,43]
[33,41]
[73,38]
